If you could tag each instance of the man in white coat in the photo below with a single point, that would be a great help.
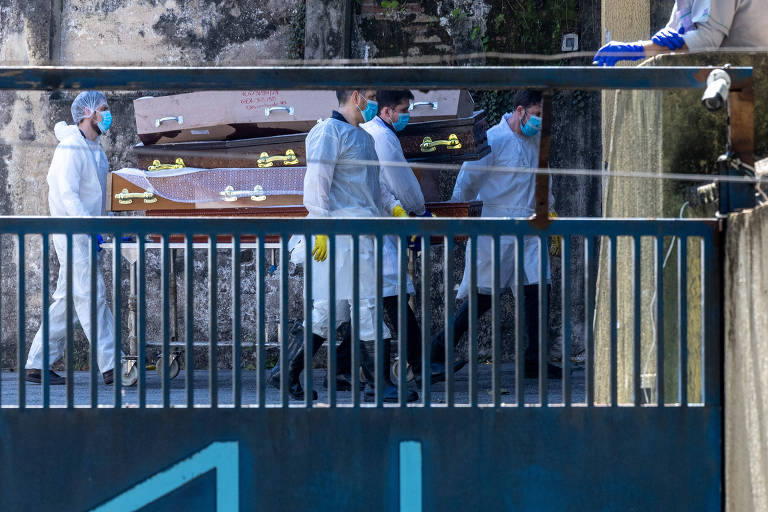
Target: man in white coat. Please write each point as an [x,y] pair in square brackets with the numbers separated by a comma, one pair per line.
[342,180]
[76,188]
[505,193]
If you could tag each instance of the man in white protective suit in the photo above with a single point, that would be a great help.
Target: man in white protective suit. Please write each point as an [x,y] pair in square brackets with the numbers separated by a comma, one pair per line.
[76,188]
[505,193]
[342,180]
[698,25]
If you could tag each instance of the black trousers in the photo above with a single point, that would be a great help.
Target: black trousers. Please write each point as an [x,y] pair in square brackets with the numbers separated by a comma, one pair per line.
[413,330]
[461,323]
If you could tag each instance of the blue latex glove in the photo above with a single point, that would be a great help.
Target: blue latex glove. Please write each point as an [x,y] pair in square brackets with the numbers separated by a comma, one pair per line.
[99,241]
[414,242]
[615,51]
[668,38]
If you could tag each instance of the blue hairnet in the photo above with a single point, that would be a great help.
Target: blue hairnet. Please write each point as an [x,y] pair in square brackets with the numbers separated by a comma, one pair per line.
[87,101]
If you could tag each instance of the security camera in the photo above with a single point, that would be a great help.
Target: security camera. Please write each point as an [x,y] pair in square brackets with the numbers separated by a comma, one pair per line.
[718,84]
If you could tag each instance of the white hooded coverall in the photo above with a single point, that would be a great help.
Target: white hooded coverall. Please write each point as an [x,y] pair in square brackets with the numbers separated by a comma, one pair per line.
[403,184]
[504,194]
[721,23]
[76,188]
[337,184]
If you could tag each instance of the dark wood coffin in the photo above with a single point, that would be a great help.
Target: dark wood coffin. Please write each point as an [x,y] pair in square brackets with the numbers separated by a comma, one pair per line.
[449,141]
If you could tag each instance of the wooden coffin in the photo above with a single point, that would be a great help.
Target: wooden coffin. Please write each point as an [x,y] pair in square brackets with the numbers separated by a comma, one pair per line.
[454,140]
[227,115]
[449,141]
[263,152]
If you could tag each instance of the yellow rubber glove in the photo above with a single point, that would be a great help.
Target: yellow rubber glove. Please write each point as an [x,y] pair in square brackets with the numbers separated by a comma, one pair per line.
[320,250]
[556,246]
[399,211]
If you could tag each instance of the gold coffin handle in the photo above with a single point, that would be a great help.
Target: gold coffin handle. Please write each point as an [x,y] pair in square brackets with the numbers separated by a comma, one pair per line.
[267,161]
[157,166]
[126,197]
[428,145]
[229,194]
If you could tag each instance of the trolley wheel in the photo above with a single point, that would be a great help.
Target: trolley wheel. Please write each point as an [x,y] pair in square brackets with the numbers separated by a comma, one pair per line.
[396,370]
[130,373]
[174,367]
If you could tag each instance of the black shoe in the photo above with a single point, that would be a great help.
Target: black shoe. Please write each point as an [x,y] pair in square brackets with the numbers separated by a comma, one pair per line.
[295,365]
[109,377]
[532,371]
[55,379]
[438,370]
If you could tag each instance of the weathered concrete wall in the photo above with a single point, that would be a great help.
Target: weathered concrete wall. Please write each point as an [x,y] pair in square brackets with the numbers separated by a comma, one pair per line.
[746,361]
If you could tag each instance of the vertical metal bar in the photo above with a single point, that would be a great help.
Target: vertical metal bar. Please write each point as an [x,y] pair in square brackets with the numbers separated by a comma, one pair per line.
[449,307]
[543,327]
[712,260]
[332,326]
[141,319]
[613,329]
[496,321]
[637,285]
[308,344]
[284,312]
[682,319]
[566,306]
[660,320]
[261,385]
[472,298]
[237,389]
[165,315]
[21,294]
[426,320]
[402,321]
[70,310]
[189,318]
[213,331]
[94,334]
[355,314]
[117,303]
[44,371]
[381,364]
[589,301]
[519,323]
[46,271]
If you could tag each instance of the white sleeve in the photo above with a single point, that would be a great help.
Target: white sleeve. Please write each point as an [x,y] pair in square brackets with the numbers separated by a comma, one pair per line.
[64,178]
[400,180]
[387,200]
[323,149]
[712,23]
[470,178]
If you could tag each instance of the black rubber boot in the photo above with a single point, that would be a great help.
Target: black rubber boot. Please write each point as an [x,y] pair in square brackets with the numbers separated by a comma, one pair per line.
[295,364]
[368,357]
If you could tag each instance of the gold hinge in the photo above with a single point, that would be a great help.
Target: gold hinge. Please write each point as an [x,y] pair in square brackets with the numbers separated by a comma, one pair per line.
[267,161]
[229,194]
[126,197]
[428,145]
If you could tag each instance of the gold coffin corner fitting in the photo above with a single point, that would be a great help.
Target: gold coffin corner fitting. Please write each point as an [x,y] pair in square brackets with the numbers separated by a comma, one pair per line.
[430,145]
[157,166]
[229,194]
[267,161]
[126,197]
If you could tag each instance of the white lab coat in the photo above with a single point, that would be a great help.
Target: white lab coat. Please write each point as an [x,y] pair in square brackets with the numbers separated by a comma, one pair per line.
[404,186]
[338,184]
[712,24]
[504,194]
[76,188]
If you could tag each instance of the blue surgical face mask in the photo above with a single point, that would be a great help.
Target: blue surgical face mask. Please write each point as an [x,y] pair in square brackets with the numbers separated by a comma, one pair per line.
[532,127]
[402,122]
[371,109]
[106,121]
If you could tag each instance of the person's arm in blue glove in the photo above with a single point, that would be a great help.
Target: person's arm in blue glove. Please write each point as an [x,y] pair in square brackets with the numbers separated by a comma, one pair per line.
[615,51]
[670,38]
[99,241]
